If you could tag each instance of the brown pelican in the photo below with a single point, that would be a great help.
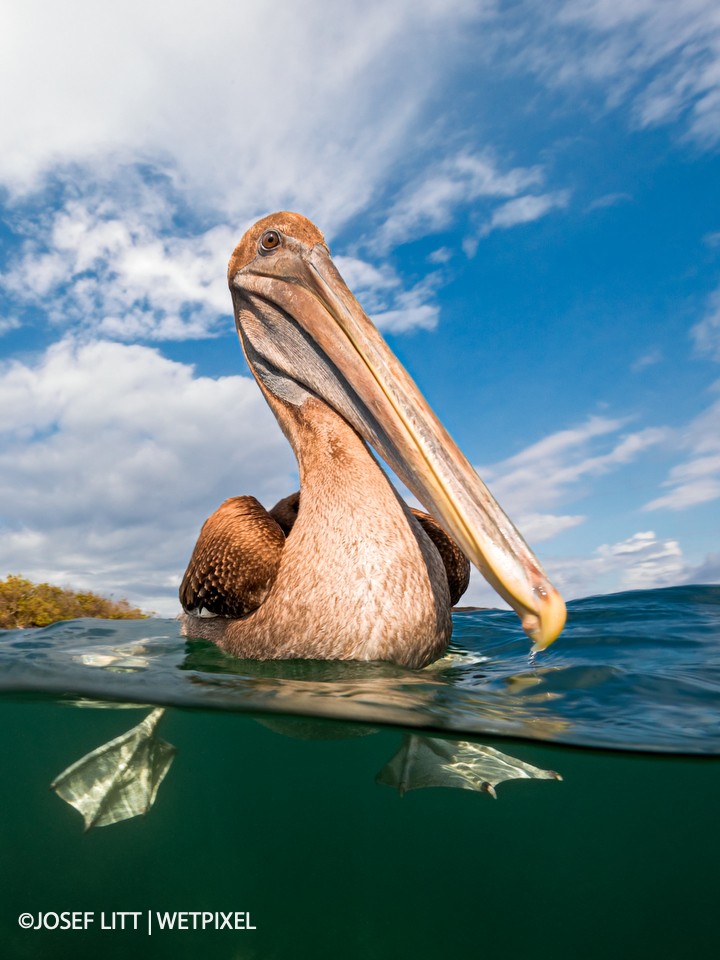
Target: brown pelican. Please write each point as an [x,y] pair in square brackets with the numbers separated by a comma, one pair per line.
[347,571]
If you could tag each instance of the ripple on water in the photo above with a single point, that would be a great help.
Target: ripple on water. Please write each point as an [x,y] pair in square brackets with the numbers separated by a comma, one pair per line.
[637,670]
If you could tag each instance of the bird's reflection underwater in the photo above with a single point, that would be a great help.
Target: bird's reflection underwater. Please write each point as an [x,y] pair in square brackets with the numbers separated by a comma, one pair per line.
[120,779]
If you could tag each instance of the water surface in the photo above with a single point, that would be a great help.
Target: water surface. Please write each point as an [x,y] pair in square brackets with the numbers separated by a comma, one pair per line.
[635,671]
[276,803]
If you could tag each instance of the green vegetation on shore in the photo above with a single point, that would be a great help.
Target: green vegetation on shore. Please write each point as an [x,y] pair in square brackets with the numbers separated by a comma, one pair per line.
[26,604]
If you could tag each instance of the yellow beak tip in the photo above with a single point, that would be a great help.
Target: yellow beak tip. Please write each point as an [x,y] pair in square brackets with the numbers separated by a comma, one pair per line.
[547,624]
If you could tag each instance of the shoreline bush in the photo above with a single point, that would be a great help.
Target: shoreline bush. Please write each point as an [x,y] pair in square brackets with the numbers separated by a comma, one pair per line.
[27,604]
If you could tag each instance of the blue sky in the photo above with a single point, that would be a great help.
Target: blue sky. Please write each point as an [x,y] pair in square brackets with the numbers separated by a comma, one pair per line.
[523,196]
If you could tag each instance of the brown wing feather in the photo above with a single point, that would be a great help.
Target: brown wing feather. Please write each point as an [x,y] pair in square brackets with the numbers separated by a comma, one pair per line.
[457,565]
[285,511]
[235,560]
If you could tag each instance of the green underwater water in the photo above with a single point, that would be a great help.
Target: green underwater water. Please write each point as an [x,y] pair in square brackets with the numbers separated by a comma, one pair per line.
[620,858]
[272,806]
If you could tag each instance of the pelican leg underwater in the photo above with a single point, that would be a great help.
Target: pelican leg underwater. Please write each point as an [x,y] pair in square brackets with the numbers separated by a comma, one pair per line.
[346,570]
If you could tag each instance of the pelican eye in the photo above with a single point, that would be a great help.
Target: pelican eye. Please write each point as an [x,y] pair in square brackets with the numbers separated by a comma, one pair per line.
[269,240]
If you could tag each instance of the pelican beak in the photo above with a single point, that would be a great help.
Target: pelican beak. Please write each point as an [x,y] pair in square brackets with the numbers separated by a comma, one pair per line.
[366,384]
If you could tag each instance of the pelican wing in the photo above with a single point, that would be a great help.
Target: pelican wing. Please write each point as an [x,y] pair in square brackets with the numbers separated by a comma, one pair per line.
[235,560]
[457,565]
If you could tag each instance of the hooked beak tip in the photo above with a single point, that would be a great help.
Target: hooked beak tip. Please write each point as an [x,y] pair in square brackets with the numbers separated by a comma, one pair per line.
[545,625]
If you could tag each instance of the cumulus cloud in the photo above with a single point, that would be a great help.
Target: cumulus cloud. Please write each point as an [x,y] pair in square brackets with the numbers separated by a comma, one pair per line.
[272,107]
[261,106]
[134,169]
[642,561]
[111,456]
[137,145]
[115,263]
[116,269]
[646,561]
[228,112]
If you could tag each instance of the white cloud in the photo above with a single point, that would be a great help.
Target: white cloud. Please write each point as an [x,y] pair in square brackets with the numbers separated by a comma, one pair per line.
[662,58]
[252,106]
[646,360]
[111,456]
[118,266]
[558,468]
[411,314]
[112,268]
[706,333]
[647,561]
[272,107]
[7,324]
[706,572]
[314,105]
[246,108]
[643,561]
[609,200]
[695,480]
[441,255]
[430,202]
[524,209]
[387,303]
[544,526]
